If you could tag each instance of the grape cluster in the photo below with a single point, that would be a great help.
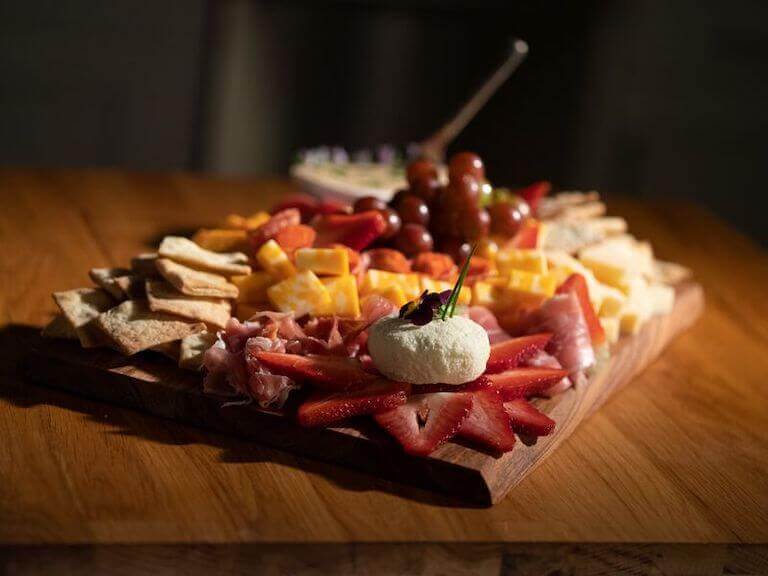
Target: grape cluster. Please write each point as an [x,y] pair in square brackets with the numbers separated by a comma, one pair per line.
[428,215]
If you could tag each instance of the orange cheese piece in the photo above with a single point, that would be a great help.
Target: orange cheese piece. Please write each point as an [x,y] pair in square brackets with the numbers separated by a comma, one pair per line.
[328,261]
[274,260]
[253,287]
[302,293]
[343,294]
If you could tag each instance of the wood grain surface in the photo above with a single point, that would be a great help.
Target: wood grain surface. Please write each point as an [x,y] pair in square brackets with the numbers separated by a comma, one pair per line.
[151,383]
[678,456]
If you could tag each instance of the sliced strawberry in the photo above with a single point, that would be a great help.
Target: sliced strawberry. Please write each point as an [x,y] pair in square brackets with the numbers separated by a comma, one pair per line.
[305,204]
[426,420]
[488,423]
[577,284]
[525,382]
[389,260]
[324,408]
[291,238]
[332,207]
[354,230]
[527,236]
[270,228]
[534,193]
[526,419]
[510,353]
[326,372]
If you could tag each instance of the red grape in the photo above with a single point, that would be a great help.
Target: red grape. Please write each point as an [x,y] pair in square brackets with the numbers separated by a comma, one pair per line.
[413,210]
[475,224]
[457,248]
[414,238]
[367,203]
[466,163]
[505,218]
[426,187]
[394,223]
[399,195]
[465,191]
[420,168]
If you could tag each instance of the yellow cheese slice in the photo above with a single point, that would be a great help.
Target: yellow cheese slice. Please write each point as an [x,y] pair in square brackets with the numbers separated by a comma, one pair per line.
[611,327]
[378,280]
[328,261]
[343,294]
[394,294]
[302,293]
[522,281]
[276,262]
[432,285]
[253,287]
[484,294]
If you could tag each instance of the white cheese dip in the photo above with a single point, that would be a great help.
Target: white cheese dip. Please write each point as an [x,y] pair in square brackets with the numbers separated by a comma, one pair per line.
[451,351]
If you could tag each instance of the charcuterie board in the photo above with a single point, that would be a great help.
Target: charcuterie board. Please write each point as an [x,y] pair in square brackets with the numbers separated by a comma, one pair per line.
[148,383]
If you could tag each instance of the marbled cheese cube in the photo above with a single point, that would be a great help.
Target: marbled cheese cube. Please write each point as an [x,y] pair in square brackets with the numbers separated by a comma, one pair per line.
[253,287]
[323,261]
[344,297]
[276,262]
[302,293]
[518,259]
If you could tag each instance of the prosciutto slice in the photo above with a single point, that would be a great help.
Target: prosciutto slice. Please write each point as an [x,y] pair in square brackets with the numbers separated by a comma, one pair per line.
[487,320]
[543,359]
[570,344]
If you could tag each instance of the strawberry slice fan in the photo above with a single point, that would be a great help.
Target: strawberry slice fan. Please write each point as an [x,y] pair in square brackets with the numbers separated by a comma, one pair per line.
[487,412]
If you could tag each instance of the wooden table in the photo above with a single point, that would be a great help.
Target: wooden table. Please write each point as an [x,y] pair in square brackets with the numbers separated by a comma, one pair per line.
[678,457]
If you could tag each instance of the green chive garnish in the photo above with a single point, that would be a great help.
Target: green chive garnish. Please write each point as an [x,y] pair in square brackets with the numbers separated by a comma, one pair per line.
[450,306]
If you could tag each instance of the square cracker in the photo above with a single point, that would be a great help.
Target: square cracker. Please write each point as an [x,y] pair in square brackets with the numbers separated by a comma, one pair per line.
[145,265]
[163,297]
[133,327]
[81,307]
[185,251]
[194,282]
[60,327]
[105,278]
[192,350]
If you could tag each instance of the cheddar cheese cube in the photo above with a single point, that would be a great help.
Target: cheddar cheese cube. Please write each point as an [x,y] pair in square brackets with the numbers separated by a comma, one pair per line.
[221,240]
[328,261]
[611,302]
[432,285]
[343,294]
[394,294]
[517,259]
[302,293]
[378,280]
[274,260]
[253,287]
[465,296]
[246,223]
[540,284]
[484,294]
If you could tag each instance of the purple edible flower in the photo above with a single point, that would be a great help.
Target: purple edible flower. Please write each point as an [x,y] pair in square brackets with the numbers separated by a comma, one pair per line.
[422,311]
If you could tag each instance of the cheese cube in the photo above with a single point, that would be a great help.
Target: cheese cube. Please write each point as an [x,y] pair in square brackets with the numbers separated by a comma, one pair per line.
[220,240]
[617,260]
[611,327]
[465,296]
[662,298]
[637,307]
[432,285]
[517,259]
[377,280]
[394,294]
[330,261]
[274,260]
[522,281]
[253,287]
[484,294]
[302,293]
[612,301]
[249,223]
[343,293]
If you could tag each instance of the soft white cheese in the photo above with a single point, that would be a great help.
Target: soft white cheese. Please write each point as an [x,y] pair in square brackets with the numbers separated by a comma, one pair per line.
[451,351]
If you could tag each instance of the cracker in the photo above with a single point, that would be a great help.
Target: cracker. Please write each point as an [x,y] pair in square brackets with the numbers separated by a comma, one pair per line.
[132,286]
[145,265]
[105,278]
[193,348]
[163,297]
[186,252]
[133,327]
[81,307]
[194,282]
[60,327]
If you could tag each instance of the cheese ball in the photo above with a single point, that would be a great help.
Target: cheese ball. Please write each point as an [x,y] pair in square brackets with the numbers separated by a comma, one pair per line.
[450,351]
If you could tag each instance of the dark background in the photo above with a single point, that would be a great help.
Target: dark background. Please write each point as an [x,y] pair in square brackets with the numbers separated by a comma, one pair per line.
[649,98]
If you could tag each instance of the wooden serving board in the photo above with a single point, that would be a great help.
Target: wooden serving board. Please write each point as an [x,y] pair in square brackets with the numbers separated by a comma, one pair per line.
[152,384]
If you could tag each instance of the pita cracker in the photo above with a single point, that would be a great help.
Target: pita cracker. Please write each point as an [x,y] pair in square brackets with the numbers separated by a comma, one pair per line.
[145,265]
[163,297]
[81,307]
[105,278]
[133,327]
[185,251]
[194,282]
[60,327]
[132,286]
[192,350]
